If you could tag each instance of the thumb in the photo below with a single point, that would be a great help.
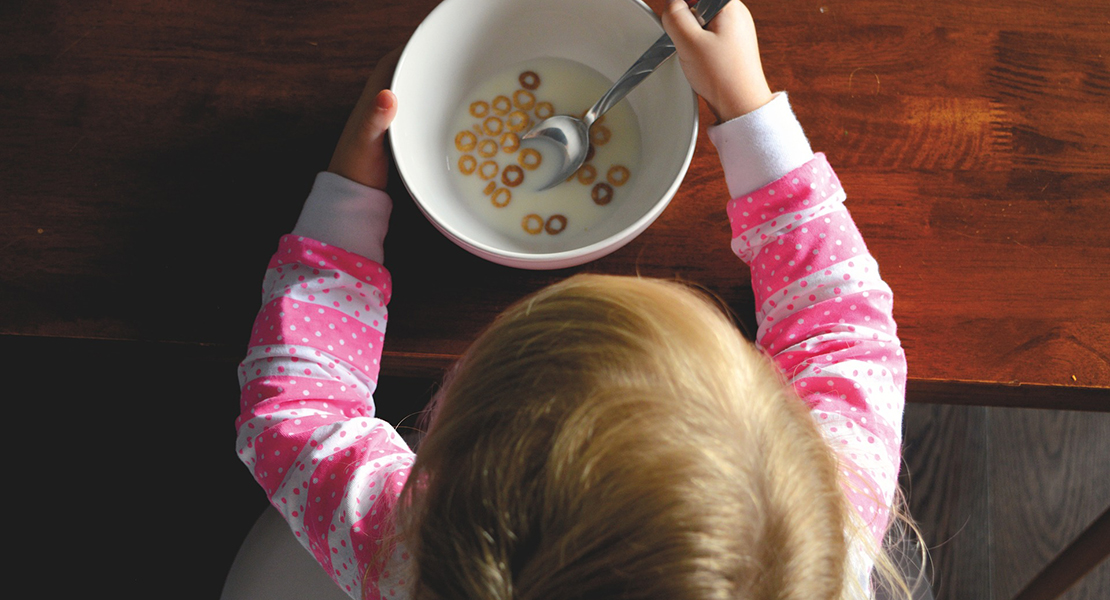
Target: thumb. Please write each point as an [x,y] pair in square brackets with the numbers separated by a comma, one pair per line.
[382,112]
[681,25]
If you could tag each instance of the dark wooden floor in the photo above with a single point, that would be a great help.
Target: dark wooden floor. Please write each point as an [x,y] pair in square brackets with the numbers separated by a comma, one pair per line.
[135,444]
[998,492]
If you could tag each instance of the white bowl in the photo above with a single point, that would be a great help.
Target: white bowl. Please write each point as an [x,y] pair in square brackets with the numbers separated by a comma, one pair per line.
[464,42]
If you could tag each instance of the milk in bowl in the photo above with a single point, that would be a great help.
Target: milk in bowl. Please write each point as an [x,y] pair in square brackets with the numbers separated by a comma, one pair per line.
[499,179]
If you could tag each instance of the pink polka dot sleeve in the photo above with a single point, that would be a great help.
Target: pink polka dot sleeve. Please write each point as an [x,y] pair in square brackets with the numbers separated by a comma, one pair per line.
[826,318]
[307,429]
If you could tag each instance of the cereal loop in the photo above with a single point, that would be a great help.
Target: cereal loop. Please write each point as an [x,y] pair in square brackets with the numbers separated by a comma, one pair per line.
[510,142]
[488,170]
[590,151]
[465,141]
[492,126]
[512,176]
[467,164]
[600,135]
[501,197]
[602,194]
[545,110]
[479,109]
[530,159]
[555,224]
[587,174]
[618,175]
[488,148]
[529,80]
[532,223]
[518,121]
[490,187]
[524,100]
[502,105]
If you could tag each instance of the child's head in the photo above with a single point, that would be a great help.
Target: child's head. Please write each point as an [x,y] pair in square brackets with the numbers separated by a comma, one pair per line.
[616,437]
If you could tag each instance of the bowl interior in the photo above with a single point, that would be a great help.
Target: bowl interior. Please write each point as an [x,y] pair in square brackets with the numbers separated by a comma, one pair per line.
[464,42]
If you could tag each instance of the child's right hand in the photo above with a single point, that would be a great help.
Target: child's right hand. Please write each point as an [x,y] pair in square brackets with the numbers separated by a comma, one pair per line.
[721,61]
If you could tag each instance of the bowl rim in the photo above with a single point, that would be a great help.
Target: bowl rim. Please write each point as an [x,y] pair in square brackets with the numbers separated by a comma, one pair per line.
[561,258]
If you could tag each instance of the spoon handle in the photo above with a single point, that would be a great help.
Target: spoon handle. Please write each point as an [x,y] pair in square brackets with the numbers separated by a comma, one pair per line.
[660,51]
[707,9]
[650,60]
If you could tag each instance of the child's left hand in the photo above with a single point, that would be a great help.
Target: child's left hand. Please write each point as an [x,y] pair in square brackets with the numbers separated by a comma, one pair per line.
[360,154]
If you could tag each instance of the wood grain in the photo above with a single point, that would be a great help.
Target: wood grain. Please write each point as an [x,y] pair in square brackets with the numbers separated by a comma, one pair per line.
[945,477]
[1073,563]
[999,492]
[1048,482]
[142,141]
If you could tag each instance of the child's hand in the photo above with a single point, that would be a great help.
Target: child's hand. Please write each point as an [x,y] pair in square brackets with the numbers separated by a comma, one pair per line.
[360,154]
[721,61]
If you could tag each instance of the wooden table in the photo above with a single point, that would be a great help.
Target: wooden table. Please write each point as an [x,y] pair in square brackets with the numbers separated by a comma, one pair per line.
[142,142]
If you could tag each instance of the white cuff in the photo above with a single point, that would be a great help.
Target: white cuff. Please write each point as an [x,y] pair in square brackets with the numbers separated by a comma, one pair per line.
[346,214]
[760,147]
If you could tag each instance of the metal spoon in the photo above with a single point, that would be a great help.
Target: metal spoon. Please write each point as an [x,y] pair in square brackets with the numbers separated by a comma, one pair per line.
[571,136]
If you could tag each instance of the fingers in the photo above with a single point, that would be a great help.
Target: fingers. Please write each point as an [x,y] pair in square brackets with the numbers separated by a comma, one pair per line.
[681,25]
[731,17]
[379,80]
[383,71]
[377,106]
[360,154]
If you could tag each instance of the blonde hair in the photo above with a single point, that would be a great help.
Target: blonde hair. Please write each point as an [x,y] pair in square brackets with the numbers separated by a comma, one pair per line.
[617,437]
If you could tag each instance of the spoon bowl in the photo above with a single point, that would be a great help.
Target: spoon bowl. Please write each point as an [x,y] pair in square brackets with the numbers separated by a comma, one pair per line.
[569,140]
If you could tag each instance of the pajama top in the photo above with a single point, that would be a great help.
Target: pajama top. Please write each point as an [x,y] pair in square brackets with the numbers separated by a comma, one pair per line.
[307,429]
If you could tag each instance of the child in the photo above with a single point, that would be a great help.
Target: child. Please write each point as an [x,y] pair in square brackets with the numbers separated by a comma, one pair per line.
[607,437]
